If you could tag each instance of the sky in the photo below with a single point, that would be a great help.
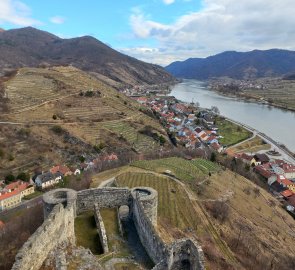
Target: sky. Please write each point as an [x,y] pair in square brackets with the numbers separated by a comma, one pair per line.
[162,31]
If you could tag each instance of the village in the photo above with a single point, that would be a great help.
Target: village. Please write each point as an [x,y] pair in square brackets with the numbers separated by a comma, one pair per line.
[16,189]
[194,128]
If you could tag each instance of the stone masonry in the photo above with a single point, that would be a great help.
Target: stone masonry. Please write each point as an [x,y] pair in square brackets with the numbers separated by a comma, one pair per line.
[62,205]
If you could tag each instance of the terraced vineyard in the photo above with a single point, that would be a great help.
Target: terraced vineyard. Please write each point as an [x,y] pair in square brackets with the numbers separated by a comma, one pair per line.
[139,141]
[175,211]
[36,86]
[181,168]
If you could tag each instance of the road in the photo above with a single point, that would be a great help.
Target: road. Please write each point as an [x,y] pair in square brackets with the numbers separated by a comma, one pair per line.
[22,205]
[274,145]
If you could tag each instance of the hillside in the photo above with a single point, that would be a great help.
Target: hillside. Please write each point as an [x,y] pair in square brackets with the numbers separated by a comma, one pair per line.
[60,114]
[239,225]
[31,47]
[238,65]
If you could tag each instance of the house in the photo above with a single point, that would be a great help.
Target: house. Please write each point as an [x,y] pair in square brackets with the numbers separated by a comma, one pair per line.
[289,170]
[283,181]
[291,200]
[264,172]
[287,193]
[12,194]
[246,158]
[111,157]
[64,170]
[259,159]
[212,139]
[48,179]
[208,120]
[217,147]
[276,188]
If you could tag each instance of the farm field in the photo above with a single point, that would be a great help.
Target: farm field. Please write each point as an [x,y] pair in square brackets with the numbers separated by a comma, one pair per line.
[231,133]
[182,169]
[252,146]
[175,212]
[279,92]
[139,141]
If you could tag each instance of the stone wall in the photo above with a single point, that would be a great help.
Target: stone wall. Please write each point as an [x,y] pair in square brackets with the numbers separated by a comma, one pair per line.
[61,206]
[101,229]
[104,197]
[149,237]
[185,254]
[58,228]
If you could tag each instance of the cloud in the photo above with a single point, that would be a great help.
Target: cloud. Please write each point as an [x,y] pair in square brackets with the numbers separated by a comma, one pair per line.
[219,26]
[168,2]
[17,13]
[57,19]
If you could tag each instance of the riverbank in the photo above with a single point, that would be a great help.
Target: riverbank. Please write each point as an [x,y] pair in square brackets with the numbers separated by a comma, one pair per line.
[274,122]
[253,99]
[275,92]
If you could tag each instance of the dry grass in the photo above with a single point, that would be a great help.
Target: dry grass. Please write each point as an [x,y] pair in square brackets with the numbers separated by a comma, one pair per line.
[36,95]
[252,146]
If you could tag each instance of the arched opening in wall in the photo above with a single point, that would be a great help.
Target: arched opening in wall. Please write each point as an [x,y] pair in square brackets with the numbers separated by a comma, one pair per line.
[124,212]
[183,265]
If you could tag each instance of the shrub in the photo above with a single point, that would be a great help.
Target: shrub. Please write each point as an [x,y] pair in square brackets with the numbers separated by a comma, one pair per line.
[219,210]
[89,93]
[24,132]
[162,140]
[213,157]
[9,178]
[57,130]
[23,176]
[82,159]
[54,117]
[1,153]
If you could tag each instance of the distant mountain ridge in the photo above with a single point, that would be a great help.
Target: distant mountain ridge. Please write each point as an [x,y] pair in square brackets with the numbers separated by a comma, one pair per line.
[238,65]
[32,47]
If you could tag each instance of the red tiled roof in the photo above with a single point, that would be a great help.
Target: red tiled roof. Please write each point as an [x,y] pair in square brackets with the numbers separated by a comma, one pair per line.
[60,168]
[291,200]
[262,171]
[215,146]
[2,224]
[287,193]
[246,157]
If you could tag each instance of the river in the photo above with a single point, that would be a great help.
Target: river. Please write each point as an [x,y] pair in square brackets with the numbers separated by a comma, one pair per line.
[276,123]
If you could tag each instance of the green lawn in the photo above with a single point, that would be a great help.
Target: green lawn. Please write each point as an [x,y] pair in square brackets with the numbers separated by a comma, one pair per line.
[231,133]
[115,241]
[86,232]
